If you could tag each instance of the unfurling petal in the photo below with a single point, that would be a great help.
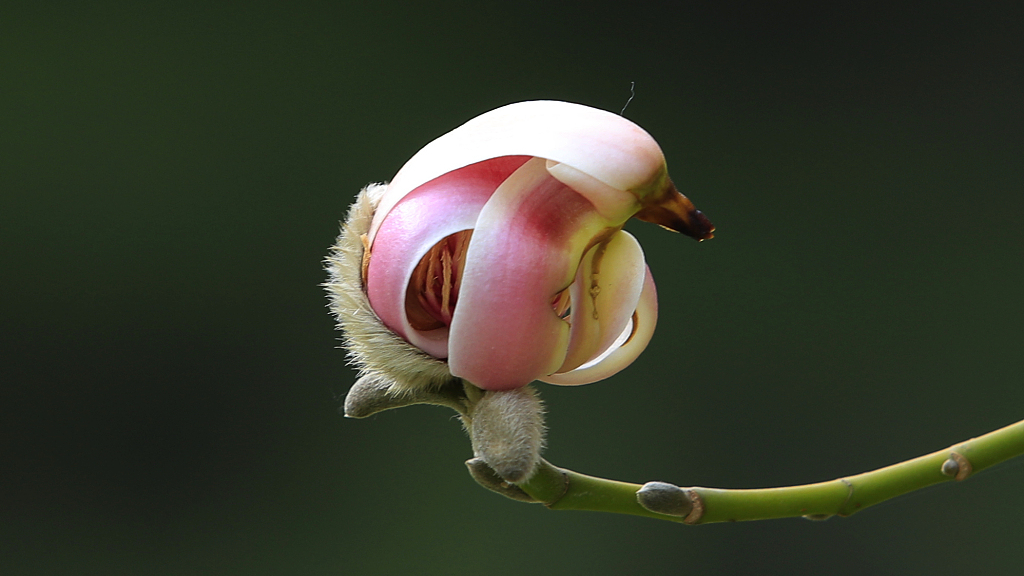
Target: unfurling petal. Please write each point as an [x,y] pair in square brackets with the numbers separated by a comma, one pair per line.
[604,296]
[525,250]
[625,349]
[602,145]
[434,211]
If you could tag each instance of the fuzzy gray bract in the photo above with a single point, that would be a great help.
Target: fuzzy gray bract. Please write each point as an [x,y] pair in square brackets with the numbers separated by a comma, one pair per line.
[372,348]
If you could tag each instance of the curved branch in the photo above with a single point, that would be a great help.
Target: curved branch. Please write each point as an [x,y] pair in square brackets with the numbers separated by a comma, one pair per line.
[560,489]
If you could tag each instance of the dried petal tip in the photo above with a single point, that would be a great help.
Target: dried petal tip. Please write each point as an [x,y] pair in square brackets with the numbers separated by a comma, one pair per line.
[664,498]
[673,211]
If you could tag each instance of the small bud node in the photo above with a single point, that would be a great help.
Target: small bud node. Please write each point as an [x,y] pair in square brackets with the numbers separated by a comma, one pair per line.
[957,466]
[950,468]
[664,498]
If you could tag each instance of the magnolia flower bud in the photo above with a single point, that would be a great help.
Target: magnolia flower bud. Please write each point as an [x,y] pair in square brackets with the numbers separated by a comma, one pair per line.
[496,253]
[496,256]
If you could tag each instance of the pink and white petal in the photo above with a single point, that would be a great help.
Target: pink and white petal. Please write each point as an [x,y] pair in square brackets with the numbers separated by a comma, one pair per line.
[525,249]
[605,294]
[622,353]
[441,207]
[614,205]
[603,145]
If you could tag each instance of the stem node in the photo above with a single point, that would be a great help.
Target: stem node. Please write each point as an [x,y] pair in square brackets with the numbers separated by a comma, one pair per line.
[697,513]
[957,467]
[665,498]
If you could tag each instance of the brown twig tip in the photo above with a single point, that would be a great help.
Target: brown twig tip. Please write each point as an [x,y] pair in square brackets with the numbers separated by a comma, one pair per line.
[672,210]
[664,498]
[957,467]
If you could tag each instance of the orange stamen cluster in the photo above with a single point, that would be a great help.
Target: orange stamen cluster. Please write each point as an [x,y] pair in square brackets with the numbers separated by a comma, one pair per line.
[434,286]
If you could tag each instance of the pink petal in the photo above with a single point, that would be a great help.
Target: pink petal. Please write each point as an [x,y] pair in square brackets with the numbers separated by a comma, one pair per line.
[612,204]
[441,207]
[526,246]
[604,146]
[622,353]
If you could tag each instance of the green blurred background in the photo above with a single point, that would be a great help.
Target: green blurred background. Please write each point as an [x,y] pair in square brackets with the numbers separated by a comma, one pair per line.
[173,175]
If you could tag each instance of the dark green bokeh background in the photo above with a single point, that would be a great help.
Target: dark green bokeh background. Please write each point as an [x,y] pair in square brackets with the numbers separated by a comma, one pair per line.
[172,176]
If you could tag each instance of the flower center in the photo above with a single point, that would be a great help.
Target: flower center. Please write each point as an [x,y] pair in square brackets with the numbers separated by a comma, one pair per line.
[434,285]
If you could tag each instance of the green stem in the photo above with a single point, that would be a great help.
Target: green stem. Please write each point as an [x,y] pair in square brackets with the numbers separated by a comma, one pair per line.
[566,490]
[561,489]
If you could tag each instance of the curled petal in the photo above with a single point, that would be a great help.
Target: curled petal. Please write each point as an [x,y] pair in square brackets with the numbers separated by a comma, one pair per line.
[604,296]
[625,349]
[602,145]
[525,250]
[435,210]
[612,204]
